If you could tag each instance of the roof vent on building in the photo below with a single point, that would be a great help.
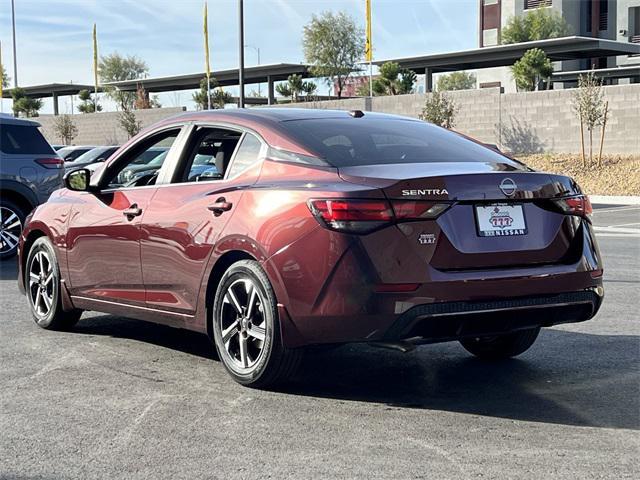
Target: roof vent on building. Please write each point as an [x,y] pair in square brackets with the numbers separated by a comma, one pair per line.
[356,113]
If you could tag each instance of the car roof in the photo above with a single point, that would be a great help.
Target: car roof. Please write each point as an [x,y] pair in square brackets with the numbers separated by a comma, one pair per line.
[6,119]
[271,115]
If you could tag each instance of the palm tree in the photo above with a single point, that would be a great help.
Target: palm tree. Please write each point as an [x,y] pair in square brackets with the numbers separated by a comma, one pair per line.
[294,87]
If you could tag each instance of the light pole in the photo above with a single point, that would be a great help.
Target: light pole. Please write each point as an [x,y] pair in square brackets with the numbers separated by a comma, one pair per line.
[15,59]
[257,49]
[241,54]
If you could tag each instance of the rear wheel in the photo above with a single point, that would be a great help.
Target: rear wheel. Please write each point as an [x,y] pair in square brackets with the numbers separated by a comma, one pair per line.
[11,223]
[43,288]
[246,329]
[501,346]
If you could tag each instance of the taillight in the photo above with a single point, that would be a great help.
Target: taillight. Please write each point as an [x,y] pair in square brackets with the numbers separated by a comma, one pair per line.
[417,210]
[364,216]
[578,205]
[53,162]
[354,216]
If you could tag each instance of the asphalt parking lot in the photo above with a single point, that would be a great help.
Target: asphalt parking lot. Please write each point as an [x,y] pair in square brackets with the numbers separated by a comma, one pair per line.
[119,398]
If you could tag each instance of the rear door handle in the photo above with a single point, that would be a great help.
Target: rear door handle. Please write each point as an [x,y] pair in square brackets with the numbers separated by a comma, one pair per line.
[132,211]
[220,206]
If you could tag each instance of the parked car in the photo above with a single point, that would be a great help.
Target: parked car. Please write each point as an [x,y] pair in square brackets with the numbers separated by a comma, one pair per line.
[57,147]
[98,154]
[323,227]
[29,171]
[71,153]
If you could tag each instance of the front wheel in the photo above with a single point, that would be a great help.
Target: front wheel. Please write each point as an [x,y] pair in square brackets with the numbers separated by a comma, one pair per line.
[501,346]
[43,288]
[246,329]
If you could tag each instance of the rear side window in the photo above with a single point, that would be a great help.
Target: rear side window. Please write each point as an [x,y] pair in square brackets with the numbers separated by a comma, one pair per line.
[348,142]
[23,139]
[248,153]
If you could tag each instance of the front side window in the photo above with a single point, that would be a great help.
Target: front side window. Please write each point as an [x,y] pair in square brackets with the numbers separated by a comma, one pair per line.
[140,165]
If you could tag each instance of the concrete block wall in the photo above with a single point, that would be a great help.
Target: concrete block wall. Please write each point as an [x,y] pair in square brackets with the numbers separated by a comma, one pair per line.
[525,122]
[103,128]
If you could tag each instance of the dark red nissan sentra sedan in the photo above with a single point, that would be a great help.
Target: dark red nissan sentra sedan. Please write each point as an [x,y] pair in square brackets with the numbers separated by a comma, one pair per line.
[275,229]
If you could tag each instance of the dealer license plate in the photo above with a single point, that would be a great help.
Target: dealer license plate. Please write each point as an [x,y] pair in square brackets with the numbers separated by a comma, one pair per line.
[500,220]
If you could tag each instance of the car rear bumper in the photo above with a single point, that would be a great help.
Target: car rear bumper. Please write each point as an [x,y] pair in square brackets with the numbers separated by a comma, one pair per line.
[441,322]
[339,294]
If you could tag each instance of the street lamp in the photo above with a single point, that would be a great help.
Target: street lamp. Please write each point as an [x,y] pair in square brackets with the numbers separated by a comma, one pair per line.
[257,49]
[241,54]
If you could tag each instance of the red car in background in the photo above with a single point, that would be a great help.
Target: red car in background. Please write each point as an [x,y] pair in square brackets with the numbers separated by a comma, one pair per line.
[316,227]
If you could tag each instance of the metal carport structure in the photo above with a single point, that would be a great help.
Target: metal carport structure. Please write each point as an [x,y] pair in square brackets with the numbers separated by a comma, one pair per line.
[557,49]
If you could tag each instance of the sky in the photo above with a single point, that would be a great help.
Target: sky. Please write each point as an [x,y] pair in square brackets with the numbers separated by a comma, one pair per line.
[54,36]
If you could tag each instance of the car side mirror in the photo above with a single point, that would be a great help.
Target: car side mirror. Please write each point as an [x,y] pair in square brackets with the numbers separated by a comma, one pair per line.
[78,180]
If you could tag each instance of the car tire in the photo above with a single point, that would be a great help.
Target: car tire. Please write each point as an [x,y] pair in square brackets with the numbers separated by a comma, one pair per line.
[11,223]
[42,284]
[502,346]
[246,328]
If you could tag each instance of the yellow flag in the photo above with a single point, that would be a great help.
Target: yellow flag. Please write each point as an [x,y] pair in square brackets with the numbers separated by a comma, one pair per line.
[1,72]
[95,60]
[206,43]
[368,48]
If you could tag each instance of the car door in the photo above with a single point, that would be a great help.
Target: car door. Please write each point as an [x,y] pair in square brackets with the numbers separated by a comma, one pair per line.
[182,225]
[103,238]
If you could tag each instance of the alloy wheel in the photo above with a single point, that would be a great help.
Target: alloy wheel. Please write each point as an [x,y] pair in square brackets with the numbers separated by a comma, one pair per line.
[10,229]
[41,283]
[243,324]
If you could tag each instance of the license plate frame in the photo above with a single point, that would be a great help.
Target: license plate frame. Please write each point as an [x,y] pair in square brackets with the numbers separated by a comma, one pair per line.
[508,221]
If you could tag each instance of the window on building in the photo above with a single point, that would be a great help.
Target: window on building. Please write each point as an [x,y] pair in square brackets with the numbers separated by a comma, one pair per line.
[603,16]
[634,24]
[531,4]
[490,37]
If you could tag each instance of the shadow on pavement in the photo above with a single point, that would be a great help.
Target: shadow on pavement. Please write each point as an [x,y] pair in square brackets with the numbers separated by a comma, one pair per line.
[8,269]
[185,341]
[566,378]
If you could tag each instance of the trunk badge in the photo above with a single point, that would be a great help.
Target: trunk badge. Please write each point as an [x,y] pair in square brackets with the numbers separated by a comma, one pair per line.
[508,187]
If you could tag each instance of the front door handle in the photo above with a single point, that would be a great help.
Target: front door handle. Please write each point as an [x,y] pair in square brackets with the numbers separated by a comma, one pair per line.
[220,206]
[132,211]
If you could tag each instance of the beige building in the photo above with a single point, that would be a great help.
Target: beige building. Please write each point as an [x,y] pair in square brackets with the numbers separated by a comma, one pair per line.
[608,19]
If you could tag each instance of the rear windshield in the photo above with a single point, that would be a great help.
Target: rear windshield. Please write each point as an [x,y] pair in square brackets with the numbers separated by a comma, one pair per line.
[348,142]
[23,139]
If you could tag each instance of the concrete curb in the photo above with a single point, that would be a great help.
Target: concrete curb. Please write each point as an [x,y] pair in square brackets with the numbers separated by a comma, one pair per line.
[614,200]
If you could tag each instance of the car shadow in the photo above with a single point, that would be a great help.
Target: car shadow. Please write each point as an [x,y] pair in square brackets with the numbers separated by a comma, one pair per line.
[186,341]
[566,378]
[9,269]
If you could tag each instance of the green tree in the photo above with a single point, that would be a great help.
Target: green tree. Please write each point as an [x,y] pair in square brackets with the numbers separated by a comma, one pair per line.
[531,69]
[114,68]
[219,98]
[456,81]
[129,123]
[333,45]
[5,77]
[537,24]
[295,86]
[392,80]
[589,106]
[88,104]
[439,109]
[65,128]
[23,104]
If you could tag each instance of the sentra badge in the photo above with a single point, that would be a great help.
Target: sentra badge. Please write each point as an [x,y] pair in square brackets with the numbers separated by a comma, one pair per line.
[431,191]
